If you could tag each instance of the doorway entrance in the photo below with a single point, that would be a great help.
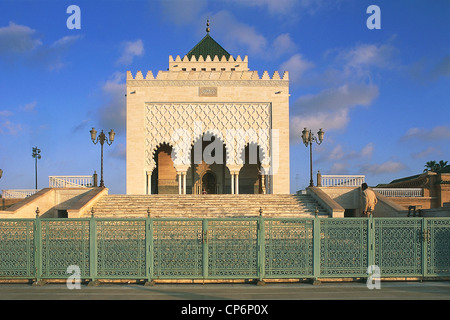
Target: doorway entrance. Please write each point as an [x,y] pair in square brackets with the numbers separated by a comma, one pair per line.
[209,183]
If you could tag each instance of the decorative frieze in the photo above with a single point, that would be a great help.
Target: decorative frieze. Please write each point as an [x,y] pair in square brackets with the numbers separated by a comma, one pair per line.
[238,124]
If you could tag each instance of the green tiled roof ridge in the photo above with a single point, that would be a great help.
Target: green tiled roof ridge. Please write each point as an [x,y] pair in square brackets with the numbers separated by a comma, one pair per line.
[208,47]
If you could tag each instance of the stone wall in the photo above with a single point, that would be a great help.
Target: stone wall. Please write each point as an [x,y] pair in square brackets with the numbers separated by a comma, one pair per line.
[51,202]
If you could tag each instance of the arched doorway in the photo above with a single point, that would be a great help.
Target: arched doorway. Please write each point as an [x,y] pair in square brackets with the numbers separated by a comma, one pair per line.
[209,183]
[164,176]
[250,180]
[208,166]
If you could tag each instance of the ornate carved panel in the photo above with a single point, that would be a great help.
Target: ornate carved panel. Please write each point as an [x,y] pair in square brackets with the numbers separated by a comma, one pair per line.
[179,124]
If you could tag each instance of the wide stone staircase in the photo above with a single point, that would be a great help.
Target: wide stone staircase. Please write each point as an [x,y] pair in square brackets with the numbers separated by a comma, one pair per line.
[207,206]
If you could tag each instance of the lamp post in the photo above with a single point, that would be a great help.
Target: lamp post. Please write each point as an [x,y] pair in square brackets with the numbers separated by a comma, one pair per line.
[102,139]
[308,138]
[36,155]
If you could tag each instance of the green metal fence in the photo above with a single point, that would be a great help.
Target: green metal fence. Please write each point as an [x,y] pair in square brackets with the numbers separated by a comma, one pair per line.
[247,248]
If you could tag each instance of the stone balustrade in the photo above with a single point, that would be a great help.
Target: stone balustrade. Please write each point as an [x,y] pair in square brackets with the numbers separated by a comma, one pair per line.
[400,192]
[340,180]
[70,181]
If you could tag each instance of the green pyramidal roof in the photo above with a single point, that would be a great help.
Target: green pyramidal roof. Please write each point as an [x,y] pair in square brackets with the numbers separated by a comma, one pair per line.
[208,47]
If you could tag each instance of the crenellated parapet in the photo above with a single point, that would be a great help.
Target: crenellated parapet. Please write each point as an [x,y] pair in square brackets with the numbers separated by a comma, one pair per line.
[208,59]
[206,69]
[210,63]
[207,75]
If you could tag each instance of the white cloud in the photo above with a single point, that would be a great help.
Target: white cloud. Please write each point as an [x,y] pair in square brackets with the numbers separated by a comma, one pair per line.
[17,39]
[283,44]
[425,153]
[237,34]
[367,151]
[436,133]
[8,127]
[427,70]
[112,113]
[119,151]
[359,63]
[52,56]
[5,113]
[340,98]
[296,65]
[182,12]
[291,8]
[324,120]
[65,41]
[130,50]
[19,42]
[29,106]
[273,6]
[329,108]
[386,167]
[338,153]
[366,55]
[339,168]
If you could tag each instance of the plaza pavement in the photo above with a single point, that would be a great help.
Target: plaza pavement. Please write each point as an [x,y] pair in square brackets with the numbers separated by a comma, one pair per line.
[389,290]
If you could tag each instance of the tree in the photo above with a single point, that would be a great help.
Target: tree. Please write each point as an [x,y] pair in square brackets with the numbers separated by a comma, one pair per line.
[434,166]
[442,164]
[430,166]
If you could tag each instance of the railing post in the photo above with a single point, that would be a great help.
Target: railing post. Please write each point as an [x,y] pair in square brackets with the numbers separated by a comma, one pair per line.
[371,240]
[316,250]
[205,248]
[319,179]
[93,250]
[261,249]
[38,249]
[425,243]
[149,249]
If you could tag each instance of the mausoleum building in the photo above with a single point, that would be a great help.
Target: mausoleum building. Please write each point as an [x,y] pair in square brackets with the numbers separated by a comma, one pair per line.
[207,124]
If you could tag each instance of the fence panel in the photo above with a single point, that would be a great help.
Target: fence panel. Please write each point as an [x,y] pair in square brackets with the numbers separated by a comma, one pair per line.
[344,247]
[398,246]
[64,243]
[289,251]
[243,248]
[177,249]
[17,249]
[437,237]
[121,248]
[232,248]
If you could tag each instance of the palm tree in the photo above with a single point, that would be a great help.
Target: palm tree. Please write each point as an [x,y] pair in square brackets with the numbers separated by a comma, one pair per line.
[442,164]
[434,166]
[430,166]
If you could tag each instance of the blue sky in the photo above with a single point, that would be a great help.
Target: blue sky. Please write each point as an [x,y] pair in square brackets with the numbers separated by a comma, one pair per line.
[382,96]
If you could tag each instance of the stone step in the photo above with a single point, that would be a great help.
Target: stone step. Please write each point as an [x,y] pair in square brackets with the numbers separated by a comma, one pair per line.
[207,206]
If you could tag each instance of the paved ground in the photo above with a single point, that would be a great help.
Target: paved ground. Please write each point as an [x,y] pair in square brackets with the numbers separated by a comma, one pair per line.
[411,290]
[225,301]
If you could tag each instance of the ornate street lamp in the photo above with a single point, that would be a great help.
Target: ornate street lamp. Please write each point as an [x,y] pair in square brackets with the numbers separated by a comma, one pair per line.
[36,155]
[102,139]
[308,138]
